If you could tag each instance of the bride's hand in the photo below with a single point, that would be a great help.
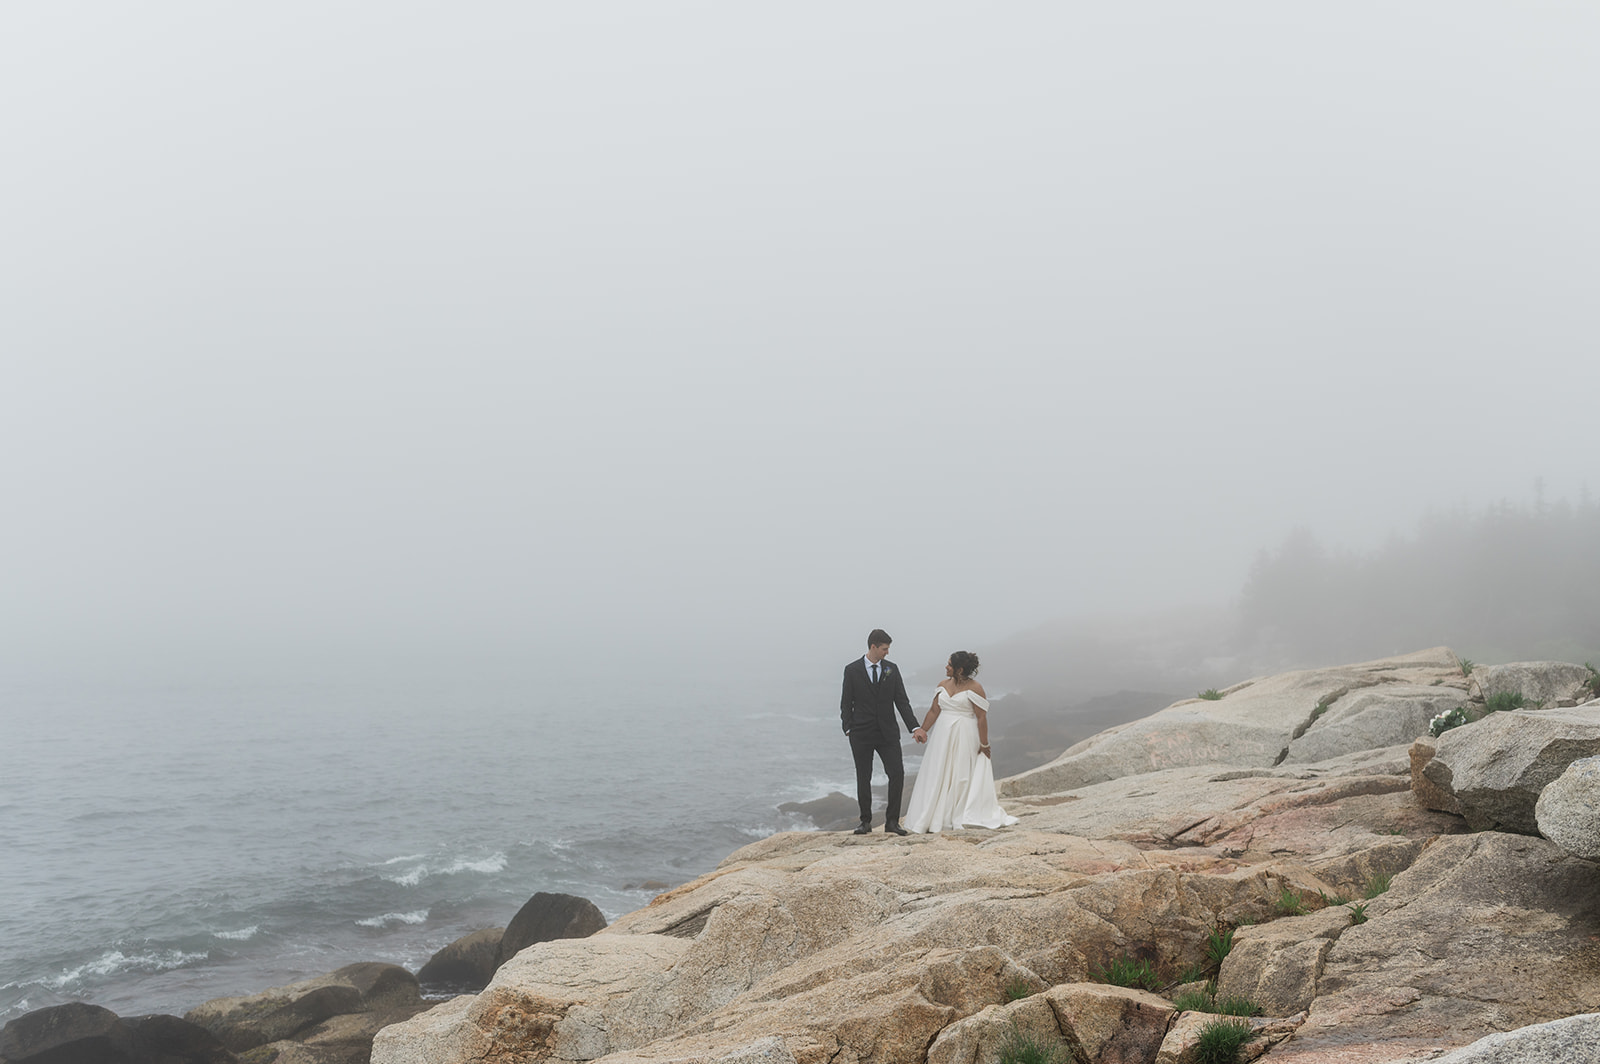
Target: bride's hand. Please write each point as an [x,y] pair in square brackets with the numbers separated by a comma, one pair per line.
[984,750]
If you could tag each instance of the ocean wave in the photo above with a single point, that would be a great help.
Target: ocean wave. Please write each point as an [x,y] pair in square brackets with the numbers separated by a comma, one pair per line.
[115,962]
[415,917]
[402,860]
[239,935]
[486,866]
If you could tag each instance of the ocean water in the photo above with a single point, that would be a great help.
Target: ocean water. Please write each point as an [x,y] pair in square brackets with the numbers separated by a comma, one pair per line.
[160,846]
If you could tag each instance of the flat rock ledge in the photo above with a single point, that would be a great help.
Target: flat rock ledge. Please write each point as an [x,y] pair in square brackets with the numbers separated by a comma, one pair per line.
[1367,927]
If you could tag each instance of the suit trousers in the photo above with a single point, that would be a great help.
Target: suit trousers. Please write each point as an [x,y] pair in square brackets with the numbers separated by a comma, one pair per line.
[866,740]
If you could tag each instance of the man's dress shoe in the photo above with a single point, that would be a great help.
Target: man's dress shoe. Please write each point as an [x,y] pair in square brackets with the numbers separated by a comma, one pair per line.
[864,828]
[895,829]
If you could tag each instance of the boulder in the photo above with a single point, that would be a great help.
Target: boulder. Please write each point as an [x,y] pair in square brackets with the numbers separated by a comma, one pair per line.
[1179,1045]
[1574,1040]
[161,1039]
[545,918]
[467,964]
[283,1013]
[1427,793]
[1546,684]
[982,1037]
[1253,724]
[74,1033]
[80,1033]
[1385,715]
[1114,1024]
[1485,932]
[1277,964]
[1568,810]
[1496,768]
[518,1011]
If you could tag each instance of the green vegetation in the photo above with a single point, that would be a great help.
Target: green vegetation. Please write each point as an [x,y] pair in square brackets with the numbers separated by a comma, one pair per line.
[1290,903]
[1020,1048]
[1378,884]
[1219,942]
[1337,899]
[1467,665]
[1018,989]
[1220,1041]
[1594,680]
[1128,971]
[1236,1005]
[1359,911]
[1210,694]
[1195,973]
[1193,1001]
[1505,701]
[1453,718]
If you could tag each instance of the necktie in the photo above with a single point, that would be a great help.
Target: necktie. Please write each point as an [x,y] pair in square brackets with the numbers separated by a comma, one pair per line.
[874,672]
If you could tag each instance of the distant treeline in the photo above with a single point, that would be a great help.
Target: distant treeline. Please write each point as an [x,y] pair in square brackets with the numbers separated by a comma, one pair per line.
[1507,583]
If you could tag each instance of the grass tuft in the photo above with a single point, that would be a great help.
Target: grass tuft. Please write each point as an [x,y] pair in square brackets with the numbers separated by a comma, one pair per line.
[1290,903]
[1020,1048]
[1219,943]
[1378,884]
[1467,665]
[1337,899]
[1194,1001]
[1359,912]
[1236,1005]
[1128,971]
[1210,694]
[1594,680]
[1220,1041]
[1018,989]
[1505,701]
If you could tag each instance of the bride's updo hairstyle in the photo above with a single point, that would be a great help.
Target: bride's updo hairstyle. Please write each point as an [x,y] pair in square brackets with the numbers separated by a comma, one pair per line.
[965,662]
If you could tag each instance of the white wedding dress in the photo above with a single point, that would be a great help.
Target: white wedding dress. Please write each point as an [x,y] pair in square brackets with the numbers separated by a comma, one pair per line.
[955,786]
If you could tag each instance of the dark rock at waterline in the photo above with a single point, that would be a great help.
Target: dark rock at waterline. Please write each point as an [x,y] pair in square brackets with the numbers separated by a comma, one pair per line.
[165,1039]
[66,1034]
[465,965]
[80,1033]
[546,917]
[832,808]
[288,1012]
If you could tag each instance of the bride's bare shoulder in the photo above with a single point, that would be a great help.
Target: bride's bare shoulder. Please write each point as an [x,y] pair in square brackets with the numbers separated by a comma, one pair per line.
[977,689]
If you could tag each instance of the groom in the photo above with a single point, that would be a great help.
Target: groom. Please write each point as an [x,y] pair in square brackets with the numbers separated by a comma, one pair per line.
[873,690]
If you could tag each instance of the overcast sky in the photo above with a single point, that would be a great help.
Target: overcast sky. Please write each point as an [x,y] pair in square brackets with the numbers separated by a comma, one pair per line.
[438,330]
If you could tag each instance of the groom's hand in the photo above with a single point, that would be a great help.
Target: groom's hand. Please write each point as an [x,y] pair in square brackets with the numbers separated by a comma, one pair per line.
[920,736]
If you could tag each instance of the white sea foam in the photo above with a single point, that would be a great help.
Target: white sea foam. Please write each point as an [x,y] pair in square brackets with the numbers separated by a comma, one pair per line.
[115,961]
[401,860]
[239,935]
[415,917]
[487,866]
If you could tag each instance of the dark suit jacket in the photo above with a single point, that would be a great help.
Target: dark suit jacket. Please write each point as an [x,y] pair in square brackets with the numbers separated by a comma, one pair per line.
[865,702]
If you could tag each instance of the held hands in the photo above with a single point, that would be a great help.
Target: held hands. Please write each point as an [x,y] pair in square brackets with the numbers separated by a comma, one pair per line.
[920,735]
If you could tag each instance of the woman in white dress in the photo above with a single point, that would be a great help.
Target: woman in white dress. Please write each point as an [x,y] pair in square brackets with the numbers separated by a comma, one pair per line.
[955,786]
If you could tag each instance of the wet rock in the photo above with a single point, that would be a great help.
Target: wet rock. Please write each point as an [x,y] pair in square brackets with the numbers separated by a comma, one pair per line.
[74,1033]
[467,964]
[283,1013]
[545,918]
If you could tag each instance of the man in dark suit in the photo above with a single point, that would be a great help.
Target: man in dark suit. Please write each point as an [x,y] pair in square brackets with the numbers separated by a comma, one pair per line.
[873,690]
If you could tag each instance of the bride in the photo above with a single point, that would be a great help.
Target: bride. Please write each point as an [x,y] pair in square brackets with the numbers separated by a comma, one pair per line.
[955,786]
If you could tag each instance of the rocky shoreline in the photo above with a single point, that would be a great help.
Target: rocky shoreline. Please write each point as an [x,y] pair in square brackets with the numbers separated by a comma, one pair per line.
[1371,892]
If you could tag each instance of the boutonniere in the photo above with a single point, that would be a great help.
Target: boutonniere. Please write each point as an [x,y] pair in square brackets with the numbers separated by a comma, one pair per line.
[888,670]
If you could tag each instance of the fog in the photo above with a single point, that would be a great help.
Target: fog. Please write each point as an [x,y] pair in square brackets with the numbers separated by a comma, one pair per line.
[437,337]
